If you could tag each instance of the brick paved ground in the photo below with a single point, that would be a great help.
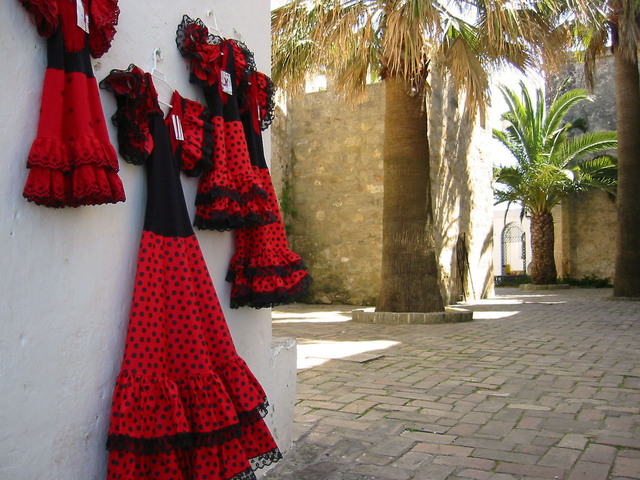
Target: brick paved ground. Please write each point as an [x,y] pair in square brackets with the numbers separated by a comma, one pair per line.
[541,385]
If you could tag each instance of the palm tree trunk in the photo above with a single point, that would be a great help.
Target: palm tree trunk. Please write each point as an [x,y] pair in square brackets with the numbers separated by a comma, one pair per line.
[410,276]
[627,275]
[543,265]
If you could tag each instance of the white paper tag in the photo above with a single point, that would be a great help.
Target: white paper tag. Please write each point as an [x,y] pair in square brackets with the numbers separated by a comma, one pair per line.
[177,127]
[225,80]
[82,17]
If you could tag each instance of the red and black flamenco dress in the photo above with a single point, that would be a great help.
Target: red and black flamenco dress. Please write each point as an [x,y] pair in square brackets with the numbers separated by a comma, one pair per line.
[264,272]
[229,196]
[71,161]
[185,405]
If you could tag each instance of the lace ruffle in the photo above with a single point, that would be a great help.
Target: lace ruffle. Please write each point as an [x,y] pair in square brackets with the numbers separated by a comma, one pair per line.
[245,64]
[44,14]
[186,440]
[249,296]
[84,185]
[136,100]
[266,100]
[65,156]
[157,413]
[203,49]
[102,28]
[266,459]
[269,264]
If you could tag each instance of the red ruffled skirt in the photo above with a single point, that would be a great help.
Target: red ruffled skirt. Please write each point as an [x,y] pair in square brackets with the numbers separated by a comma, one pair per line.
[185,405]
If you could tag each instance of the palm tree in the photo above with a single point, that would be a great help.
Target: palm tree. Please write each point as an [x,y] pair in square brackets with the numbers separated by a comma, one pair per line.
[398,41]
[551,163]
[615,24]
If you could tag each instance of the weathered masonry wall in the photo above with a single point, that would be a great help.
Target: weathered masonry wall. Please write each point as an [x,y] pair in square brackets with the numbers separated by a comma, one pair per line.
[589,220]
[328,171]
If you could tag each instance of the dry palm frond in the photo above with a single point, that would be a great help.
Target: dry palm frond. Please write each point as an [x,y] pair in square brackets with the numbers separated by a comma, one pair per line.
[410,31]
[468,75]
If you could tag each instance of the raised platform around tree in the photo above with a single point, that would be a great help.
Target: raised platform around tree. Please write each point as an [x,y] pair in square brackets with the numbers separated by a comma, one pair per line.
[450,315]
[551,286]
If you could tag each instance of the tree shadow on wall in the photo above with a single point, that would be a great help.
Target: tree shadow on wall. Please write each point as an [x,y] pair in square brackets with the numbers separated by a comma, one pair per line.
[455,189]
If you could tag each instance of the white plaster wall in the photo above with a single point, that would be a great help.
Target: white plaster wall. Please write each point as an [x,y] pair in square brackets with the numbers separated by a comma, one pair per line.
[67,275]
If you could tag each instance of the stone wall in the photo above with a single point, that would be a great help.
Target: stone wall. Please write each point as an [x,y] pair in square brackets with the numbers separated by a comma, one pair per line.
[589,220]
[331,174]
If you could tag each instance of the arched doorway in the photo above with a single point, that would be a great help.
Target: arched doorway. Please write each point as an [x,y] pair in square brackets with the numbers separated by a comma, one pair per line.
[514,250]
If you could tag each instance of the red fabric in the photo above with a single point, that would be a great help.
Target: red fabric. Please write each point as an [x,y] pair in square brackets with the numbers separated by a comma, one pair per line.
[71,162]
[229,193]
[102,26]
[44,14]
[264,272]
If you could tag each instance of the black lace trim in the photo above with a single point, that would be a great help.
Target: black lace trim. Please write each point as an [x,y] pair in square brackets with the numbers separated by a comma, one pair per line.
[267,271]
[223,222]
[205,198]
[247,298]
[250,60]
[192,32]
[270,114]
[187,440]
[265,459]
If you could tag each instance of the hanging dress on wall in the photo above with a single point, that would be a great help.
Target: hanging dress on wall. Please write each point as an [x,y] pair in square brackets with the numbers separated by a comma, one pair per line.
[185,405]
[229,196]
[71,161]
[264,272]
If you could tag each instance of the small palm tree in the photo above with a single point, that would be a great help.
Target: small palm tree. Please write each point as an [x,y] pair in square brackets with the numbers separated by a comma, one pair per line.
[551,163]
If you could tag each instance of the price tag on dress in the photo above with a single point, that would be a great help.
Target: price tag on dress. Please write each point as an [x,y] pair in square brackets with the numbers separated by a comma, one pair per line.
[225,80]
[83,18]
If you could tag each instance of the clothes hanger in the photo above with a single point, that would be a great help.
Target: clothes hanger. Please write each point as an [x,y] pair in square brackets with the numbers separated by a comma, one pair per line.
[159,75]
[213,29]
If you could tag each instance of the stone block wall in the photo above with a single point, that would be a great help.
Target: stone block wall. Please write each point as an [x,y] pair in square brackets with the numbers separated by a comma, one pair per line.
[588,229]
[328,163]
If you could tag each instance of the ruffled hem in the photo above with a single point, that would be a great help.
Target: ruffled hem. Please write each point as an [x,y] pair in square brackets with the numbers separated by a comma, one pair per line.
[269,292]
[215,462]
[55,153]
[44,14]
[153,414]
[102,29]
[268,263]
[85,185]
[211,217]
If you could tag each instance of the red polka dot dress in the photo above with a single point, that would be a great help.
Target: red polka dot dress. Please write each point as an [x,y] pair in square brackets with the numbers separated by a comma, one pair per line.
[71,161]
[263,272]
[185,405]
[230,195]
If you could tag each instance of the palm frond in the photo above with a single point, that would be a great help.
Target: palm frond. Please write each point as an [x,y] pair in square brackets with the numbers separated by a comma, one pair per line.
[575,149]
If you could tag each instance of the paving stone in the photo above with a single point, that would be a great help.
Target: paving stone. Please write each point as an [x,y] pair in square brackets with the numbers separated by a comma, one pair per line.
[560,457]
[589,471]
[552,392]
[599,454]
[627,467]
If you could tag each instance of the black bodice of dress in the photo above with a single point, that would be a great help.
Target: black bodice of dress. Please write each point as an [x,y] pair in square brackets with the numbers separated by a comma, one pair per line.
[166,212]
